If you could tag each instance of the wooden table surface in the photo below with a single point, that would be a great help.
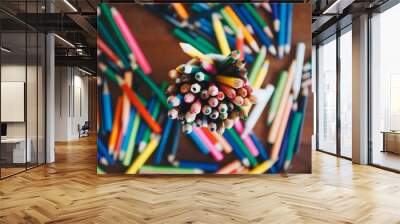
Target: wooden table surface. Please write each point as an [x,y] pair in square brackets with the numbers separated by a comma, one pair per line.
[160,46]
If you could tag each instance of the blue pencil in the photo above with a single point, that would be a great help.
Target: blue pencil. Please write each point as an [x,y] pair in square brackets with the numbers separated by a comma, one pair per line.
[163,141]
[275,16]
[209,167]
[175,141]
[284,146]
[199,143]
[244,20]
[125,140]
[302,108]
[289,24]
[103,151]
[107,108]
[235,148]
[282,30]
[260,146]
[258,30]
[143,124]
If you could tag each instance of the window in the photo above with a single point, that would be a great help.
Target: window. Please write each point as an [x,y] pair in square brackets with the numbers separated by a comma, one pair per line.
[326,136]
[385,89]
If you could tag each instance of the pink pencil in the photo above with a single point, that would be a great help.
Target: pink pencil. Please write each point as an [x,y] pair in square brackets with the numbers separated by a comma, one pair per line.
[246,139]
[141,59]
[217,155]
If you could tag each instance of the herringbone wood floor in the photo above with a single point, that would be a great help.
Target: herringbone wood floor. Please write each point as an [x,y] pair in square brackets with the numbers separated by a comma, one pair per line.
[69,191]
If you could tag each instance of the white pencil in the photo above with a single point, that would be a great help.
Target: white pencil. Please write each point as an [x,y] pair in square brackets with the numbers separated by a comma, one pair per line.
[262,101]
[300,51]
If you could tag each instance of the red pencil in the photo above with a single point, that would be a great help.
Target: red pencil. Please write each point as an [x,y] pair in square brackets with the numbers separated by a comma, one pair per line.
[103,47]
[139,106]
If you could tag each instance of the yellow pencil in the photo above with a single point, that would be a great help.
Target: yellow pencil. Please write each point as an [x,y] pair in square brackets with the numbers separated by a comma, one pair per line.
[230,81]
[263,167]
[220,34]
[250,40]
[194,53]
[181,11]
[142,158]
[262,74]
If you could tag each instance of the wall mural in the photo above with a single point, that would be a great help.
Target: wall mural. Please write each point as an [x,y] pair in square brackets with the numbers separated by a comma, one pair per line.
[204,88]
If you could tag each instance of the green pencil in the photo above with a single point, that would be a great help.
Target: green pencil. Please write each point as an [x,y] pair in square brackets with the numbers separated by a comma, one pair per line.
[188,39]
[276,98]
[296,123]
[107,13]
[146,169]
[257,65]
[131,144]
[154,114]
[207,44]
[229,20]
[242,146]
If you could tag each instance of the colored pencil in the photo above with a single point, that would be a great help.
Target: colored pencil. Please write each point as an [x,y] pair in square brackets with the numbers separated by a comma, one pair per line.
[275,16]
[263,167]
[194,53]
[255,68]
[144,156]
[289,24]
[242,146]
[302,108]
[249,39]
[282,30]
[236,149]
[102,149]
[246,139]
[131,41]
[225,145]
[258,30]
[240,44]
[229,21]
[258,109]
[260,146]
[215,153]
[175,142]
[285,143]
[126,107]
[131,143]
[282,127]
[212,138]
[163,142]
[180,11]
[260,20]
[280,111]
[209,167]
[143,125]
[146,169]
[133,98]
[107,51]
[294,130]
[114,27]
[230,167]
[200,145]
[261,75]
[220,35]
[192,41]
[115,127]
[107,108]
[127,135]
[276,98]
[300,51]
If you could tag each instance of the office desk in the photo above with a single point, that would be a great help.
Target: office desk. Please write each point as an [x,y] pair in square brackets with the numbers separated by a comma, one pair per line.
[16,148]
[391,141]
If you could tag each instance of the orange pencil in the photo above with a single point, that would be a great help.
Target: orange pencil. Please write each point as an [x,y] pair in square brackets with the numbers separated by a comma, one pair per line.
[212,138]
[141,109]
[116,126]
[240,43]
[230,167]
[225,145]
[181,11]
[282,127]
[250,40]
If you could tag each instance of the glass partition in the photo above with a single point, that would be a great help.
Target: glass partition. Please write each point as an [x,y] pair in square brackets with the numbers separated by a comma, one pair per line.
[327,96]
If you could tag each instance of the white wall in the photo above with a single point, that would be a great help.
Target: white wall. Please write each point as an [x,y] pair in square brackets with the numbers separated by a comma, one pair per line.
[71,102]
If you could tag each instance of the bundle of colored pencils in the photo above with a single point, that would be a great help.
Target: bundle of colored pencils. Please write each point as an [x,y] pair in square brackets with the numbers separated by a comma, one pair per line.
[209,91]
